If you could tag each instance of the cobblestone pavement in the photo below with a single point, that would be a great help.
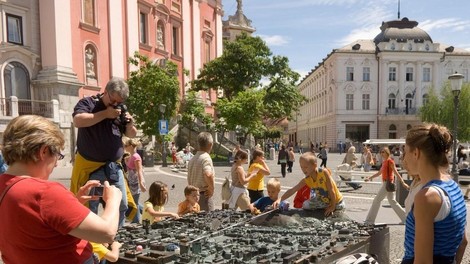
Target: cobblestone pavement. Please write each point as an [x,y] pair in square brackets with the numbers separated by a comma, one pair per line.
[357,201]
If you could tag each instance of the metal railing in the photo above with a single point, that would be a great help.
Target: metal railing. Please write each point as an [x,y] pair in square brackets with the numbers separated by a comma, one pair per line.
[13,107]
[401,111]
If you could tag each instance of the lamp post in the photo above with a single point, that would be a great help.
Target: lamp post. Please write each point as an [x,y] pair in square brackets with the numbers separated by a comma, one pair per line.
[162,108]
[456,85]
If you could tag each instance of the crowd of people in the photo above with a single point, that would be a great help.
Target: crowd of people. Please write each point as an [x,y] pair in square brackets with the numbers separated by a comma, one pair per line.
[33,208]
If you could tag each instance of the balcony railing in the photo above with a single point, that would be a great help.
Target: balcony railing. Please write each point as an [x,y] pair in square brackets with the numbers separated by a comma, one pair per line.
[401,111]
[13,107]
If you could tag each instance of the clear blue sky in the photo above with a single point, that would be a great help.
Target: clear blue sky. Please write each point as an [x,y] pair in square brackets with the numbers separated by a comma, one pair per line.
[305,31]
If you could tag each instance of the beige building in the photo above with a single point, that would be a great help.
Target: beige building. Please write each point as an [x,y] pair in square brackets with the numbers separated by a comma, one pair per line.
[374,88]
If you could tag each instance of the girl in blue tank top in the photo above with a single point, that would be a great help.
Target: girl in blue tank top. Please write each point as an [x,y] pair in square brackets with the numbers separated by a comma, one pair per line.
[435,226]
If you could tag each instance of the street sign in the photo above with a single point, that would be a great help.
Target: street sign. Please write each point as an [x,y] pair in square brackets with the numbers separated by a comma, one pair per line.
[163,127]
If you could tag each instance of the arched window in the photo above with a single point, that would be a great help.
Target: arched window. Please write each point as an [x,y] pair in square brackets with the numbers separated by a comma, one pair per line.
[392,131]
[17,83]
[408,103]
[425,99]
[392,101]
[16,78]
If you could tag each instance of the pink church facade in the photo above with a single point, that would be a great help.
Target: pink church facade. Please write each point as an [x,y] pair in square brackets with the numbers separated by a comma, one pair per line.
[54,52]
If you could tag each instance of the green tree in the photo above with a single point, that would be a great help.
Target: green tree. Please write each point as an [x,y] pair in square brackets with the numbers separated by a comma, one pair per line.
[440,109]
[239,72]
[152,85]
[242,113]
[243,64]
[191,109]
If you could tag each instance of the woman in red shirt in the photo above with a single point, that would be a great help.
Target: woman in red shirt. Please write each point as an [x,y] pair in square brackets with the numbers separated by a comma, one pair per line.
[387,171]
[40,220]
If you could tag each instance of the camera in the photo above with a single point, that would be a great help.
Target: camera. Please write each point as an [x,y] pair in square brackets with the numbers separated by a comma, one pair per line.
[97,191]
[121,121]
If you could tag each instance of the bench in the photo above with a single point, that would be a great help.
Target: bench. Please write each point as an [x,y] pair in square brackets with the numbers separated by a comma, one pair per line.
[353,176]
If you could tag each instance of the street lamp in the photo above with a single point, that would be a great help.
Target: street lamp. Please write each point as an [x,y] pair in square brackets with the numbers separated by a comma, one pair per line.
[456,85]
[162,108]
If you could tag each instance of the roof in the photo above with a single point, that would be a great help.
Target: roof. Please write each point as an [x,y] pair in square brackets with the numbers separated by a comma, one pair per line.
[401,31]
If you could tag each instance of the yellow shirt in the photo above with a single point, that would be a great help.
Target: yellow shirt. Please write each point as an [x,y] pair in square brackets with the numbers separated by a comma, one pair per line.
[319,185]
[99,249]
[256,183]
[147,216]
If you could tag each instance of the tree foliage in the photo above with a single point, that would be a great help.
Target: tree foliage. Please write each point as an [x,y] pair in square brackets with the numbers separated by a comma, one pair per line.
[239,73]
[440,109]
[150,86]
[193,109]
[243,63]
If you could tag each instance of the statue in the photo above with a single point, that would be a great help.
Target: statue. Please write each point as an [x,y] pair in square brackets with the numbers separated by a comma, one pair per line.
[160,43]
[90,65]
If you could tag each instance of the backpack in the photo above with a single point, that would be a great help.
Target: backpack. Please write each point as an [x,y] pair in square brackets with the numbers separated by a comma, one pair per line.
[226,192]
[358,258]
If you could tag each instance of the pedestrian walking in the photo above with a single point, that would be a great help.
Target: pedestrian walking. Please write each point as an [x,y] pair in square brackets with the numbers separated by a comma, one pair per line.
[291,160]
[323,155]
[387,171]
[282,159]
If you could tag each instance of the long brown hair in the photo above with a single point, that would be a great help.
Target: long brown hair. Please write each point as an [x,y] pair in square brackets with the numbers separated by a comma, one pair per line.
[158,193]
[433,140]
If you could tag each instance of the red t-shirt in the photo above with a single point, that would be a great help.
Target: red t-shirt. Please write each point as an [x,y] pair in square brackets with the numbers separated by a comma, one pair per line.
[387,170]
[35,219]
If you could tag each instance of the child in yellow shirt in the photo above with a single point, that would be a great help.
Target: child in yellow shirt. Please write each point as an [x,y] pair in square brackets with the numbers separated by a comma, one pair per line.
[153,207]
[101,251]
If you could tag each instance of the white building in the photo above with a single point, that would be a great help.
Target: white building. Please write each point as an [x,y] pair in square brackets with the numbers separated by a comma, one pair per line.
[373,88]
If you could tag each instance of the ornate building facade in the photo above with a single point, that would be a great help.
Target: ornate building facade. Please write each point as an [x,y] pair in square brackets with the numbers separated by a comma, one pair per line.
[374,88]
[54,52]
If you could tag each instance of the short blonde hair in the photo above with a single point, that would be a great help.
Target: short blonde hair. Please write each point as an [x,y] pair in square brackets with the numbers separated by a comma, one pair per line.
[309,157]
[274,183]
[26,134]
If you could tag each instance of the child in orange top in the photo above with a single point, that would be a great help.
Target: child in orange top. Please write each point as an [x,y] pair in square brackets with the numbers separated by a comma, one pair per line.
[190,205]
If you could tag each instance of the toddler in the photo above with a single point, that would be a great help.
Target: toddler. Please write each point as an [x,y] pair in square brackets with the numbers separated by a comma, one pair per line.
[103,251]
[274,187]
[153,207]
[190,205]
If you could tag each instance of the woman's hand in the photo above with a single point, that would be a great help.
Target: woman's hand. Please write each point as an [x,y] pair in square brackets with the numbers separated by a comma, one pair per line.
[111,193]
[83,194]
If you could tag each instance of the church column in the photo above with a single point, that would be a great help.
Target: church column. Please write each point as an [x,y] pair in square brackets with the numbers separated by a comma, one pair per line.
[419,79]
[401,73]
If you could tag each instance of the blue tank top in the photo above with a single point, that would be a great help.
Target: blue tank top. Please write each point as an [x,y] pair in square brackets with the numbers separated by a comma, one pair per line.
[448,233]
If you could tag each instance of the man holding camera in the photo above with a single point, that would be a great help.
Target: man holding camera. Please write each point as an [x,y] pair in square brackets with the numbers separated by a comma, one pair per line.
[102,120]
